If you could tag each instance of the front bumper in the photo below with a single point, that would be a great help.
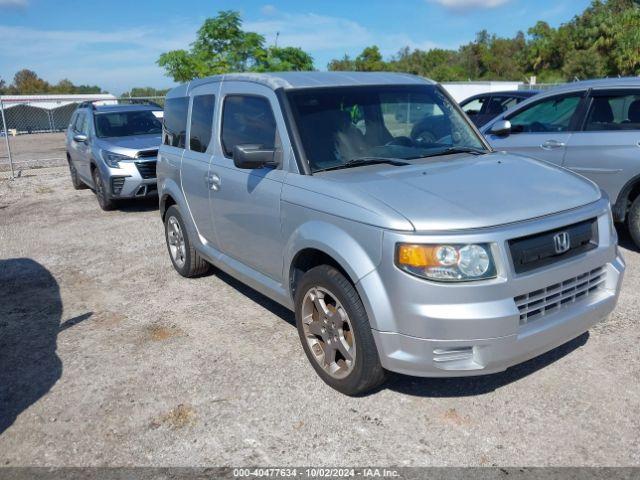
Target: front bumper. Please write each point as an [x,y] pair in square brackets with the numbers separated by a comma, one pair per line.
[128,182]
[455,358]
[431,329]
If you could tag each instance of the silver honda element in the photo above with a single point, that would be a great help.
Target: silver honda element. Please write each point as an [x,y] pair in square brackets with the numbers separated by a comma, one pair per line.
[368,204]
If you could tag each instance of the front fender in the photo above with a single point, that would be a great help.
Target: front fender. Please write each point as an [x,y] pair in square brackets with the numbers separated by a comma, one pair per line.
[358,251]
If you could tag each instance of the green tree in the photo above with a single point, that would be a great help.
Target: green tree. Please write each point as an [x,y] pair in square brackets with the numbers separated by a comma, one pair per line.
[370,60]
[27,82]
[284,59]
[344,64]
[222,46]
[145,92]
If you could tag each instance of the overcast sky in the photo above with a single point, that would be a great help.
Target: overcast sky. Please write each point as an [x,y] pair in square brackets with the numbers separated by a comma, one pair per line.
[115,43]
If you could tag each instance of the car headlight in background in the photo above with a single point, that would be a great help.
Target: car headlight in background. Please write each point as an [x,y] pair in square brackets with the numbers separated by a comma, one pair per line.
[447,263]
[112,159]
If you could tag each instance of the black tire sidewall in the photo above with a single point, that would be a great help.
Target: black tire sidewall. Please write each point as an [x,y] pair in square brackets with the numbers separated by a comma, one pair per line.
[633,221]
[367,372]
[173,211]
[103,200]
[74,176]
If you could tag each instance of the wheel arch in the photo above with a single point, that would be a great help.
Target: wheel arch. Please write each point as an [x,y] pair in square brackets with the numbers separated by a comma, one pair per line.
[627,195]
[170,194]
[321,243]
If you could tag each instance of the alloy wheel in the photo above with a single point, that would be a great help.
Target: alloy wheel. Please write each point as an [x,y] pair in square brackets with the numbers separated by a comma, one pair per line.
[175,238]
[328,332]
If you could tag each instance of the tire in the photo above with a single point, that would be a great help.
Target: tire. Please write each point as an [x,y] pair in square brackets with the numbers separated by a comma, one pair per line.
[185,259]
[351,338]
[75,179]
[633,221]
[101,191]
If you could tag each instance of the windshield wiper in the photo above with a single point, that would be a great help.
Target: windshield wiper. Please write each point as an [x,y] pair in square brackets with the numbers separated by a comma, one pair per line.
[363,161]
[452,150]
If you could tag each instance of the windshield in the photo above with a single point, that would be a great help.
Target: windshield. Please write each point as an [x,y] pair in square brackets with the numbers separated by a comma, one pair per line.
[345,124]
[127,124]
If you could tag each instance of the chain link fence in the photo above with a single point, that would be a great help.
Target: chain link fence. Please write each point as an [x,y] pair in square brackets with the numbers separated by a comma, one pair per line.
[32,128]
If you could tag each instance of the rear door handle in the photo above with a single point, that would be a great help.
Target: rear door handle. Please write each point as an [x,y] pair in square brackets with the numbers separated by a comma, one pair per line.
[552,144]
[213,181]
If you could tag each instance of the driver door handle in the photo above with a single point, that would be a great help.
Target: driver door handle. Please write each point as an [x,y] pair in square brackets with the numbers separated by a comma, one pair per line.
[552,144]
[213,181]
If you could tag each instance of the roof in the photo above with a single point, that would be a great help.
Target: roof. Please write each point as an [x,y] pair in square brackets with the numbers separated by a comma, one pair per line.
[507,93]
[597,84]
[291,80]
[125,108]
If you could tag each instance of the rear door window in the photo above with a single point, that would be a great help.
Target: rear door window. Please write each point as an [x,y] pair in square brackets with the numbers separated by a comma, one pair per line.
[247,120]
[614,112]
[474,107]
[175,122]
[201,122]
[498,105]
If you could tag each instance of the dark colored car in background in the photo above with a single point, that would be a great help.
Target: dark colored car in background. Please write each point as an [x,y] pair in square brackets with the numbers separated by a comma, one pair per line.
[485,107]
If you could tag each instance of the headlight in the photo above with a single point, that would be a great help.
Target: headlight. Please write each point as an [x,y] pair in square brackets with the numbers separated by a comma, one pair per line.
[447,263]
[112,159]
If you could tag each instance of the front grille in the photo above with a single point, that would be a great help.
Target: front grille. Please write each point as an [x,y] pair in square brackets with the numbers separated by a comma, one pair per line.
[539,250]
[147,169]
[147,154]
[542,302]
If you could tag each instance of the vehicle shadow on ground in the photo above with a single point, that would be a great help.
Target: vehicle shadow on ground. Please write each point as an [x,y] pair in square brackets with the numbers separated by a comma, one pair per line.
[625,240]
[30,314]
[136,205]
[469,386]
[265,302]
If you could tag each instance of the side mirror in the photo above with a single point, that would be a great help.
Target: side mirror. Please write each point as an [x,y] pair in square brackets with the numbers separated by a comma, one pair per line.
[250,157]
[80,138]
[501,128]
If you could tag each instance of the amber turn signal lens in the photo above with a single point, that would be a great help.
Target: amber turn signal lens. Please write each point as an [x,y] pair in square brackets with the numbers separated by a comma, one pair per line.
[424,256]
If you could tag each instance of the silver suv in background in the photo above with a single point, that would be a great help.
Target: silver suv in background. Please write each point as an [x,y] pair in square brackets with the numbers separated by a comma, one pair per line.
[113,150]
[370,206]
[591,128]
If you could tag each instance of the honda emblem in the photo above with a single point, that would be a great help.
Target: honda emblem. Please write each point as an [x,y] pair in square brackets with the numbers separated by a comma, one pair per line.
[562,242]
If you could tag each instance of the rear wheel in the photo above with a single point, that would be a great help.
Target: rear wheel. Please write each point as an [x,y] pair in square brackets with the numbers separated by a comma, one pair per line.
[101,191]
[335,332]
[633,221]
[185,259]
[75,179]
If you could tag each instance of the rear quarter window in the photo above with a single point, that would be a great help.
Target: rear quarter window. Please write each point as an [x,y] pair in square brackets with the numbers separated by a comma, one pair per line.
[175,122]
[201,122]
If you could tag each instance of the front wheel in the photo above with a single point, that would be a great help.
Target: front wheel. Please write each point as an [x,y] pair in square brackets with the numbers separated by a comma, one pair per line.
[633,221]
[75,178]
[100,189]
[335,332]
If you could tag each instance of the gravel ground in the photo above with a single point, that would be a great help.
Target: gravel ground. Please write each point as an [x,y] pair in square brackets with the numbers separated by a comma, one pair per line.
[108,357]
[34,150]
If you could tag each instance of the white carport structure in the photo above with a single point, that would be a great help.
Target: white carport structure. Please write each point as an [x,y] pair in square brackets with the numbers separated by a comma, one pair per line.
[462,90]
[43,113]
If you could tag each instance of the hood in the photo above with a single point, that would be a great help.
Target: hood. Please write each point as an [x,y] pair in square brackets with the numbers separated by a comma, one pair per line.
[136,142]
[464,192]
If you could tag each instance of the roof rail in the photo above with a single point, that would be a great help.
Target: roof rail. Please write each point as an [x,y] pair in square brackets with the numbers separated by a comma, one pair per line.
[140,101]
[87,105]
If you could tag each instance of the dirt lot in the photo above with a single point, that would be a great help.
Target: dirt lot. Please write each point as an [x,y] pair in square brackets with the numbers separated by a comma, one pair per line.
[35,150]
[108,357]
